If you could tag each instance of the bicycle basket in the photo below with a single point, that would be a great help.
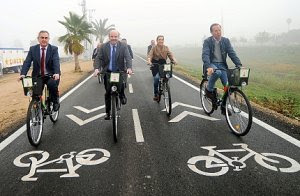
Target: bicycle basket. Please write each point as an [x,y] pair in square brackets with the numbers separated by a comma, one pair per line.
[237,77]
[165,69]
[27,86]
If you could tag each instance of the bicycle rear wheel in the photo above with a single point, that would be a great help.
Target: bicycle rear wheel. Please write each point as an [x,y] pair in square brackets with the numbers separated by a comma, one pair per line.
[206,103]
[238,112]
[34,122]
[167,98]
[114,116]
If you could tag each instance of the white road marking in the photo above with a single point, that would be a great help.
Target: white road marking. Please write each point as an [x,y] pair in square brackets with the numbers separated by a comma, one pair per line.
[83,122]
[87,110]
[16,134]
[130,88]
[257,121]
[137,126]
[175,104]
[186,113]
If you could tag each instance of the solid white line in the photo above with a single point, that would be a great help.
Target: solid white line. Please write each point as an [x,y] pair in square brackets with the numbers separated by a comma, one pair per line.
[12,137]
[257,121]
[130,88]
[137,126]
[16,134]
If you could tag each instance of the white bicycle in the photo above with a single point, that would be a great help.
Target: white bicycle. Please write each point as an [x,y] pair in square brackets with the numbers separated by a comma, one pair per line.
[36,160]
[214,166]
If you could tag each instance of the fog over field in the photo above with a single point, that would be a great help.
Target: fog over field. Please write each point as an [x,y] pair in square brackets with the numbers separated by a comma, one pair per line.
[182,22]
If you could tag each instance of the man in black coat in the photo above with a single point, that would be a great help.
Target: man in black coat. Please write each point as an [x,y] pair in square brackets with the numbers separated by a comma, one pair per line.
[45,61]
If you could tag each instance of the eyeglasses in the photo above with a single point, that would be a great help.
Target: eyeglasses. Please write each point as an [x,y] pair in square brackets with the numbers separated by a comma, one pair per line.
[44,37]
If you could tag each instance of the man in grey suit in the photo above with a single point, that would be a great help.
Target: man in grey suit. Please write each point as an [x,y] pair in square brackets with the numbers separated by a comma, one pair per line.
[45,60]
[111,57]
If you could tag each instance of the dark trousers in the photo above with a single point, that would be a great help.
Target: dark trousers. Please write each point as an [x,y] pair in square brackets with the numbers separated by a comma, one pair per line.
[107,95]
[51,84]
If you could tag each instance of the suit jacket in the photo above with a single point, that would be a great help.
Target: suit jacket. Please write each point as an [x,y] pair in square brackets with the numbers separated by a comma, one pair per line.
[52,61]
[122,55]
[149,49]
[130,51]
[226,49]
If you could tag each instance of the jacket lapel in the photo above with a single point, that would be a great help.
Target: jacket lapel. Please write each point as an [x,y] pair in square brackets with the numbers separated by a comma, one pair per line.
[108,50]
[118,50]
[38,53]
[48,54]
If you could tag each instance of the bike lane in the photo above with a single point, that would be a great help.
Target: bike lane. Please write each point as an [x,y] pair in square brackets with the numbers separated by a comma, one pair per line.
[159,165]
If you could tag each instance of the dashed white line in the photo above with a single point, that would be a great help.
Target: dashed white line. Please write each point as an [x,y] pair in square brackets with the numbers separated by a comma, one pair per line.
[137,126]
[130,88]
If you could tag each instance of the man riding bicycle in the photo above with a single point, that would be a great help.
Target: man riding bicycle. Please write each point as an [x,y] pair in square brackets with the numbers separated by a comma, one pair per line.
[214,54]
[45,60]
[112,57]
[159,55]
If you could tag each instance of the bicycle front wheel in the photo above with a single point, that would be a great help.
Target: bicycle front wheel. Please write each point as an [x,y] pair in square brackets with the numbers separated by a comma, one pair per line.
[34,122]
[53,114]
[167,98]
[206,103]
[238,112]
[100,78]
[114,116]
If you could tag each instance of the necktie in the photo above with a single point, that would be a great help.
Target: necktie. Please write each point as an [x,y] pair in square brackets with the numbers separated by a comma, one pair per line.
[43,62]
[113,60]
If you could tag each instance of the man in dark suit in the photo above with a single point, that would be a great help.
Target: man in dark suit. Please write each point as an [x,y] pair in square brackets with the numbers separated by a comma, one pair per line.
[45,60]
[129,47]
[150,46]
[112,57]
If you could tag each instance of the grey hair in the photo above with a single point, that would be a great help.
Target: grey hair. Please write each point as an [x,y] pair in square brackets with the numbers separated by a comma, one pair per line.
[43,31]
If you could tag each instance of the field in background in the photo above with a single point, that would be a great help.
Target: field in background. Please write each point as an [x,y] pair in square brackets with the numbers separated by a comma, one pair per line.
[274,77]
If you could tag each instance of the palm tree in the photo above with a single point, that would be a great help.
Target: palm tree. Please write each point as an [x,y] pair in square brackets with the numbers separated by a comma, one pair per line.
[99,29]
[78,30]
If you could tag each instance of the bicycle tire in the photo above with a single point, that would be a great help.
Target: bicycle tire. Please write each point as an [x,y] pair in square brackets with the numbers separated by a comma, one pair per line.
[114,116]
[167,98]
[206,103]
[34,126]
[238,112]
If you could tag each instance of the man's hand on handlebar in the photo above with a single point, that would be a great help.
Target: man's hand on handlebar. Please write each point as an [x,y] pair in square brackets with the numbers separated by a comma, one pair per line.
[129,71]
[210,71]
[96,72]
[21,77]
[56,76]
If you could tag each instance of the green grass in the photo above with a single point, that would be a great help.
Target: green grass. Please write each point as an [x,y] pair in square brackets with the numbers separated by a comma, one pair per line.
[274,78]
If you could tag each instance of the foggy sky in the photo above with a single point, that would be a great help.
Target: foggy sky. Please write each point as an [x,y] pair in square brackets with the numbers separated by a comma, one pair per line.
[181,21]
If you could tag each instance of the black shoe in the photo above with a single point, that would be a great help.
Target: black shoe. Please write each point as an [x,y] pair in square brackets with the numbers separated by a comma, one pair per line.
[213,97]
[107,117]
[56,106]
[123,100]
[209,94]
[223,112]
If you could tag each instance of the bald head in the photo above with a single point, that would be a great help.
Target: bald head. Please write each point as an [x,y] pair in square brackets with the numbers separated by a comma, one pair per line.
[113,36]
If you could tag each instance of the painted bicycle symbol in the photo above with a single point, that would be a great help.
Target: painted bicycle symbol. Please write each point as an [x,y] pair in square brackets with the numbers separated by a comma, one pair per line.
[214,166]
[37,159]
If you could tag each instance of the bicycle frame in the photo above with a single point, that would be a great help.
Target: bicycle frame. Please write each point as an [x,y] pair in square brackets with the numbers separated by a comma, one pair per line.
[244,147]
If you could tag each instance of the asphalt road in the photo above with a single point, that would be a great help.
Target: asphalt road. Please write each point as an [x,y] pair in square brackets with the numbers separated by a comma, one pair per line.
[155,154]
